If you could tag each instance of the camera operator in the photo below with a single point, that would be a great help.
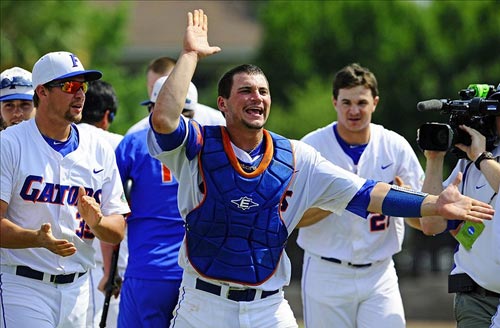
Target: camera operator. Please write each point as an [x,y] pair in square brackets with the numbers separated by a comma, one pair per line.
[475,276]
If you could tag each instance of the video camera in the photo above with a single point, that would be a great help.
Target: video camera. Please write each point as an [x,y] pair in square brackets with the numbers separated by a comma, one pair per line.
[477,108]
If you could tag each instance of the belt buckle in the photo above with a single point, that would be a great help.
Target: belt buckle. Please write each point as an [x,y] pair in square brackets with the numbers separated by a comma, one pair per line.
[226,293]
[241,294]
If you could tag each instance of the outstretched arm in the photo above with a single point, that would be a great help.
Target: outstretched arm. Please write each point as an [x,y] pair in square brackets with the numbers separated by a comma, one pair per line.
[170,102]
[450,203]
[395,201]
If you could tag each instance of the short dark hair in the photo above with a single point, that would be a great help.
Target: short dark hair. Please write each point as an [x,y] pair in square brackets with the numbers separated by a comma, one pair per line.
[161,65]
[99,98]
[354,75]
[36,99]
[226,81]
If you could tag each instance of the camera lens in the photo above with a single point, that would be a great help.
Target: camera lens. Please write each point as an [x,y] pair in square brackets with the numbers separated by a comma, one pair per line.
[441,138]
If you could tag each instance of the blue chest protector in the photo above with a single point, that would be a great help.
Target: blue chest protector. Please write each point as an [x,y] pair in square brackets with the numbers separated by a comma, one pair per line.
[236,234]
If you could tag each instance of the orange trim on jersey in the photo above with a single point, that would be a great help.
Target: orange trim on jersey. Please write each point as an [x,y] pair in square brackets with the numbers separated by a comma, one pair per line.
[199,134]
[266,159]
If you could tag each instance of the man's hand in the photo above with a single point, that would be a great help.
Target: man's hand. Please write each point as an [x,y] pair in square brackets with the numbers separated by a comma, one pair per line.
[477,146]
[195,39]
[452,204]
[116,286]
[89,209]
[60,247]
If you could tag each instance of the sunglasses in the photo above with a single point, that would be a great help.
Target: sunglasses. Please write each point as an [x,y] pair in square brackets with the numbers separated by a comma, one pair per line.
[71,86]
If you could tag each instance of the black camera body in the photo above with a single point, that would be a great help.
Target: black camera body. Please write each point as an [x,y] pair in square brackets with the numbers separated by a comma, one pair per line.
[478,107]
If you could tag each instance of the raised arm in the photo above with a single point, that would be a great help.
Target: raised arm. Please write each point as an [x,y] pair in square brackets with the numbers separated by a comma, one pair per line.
[170,102]
[433,184]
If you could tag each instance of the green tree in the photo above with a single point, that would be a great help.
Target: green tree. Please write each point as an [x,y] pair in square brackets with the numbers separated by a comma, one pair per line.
[96,34]
[417,50]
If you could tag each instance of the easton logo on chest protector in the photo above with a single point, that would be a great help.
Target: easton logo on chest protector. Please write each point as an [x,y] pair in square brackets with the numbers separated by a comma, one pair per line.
[244,203]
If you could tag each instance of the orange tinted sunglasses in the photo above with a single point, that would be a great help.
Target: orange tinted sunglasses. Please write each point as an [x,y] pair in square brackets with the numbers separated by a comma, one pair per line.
[71,86]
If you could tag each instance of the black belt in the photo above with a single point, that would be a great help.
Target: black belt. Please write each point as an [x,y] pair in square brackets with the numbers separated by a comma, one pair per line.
[28,272]
[334,260]
[238,295]
[462,283]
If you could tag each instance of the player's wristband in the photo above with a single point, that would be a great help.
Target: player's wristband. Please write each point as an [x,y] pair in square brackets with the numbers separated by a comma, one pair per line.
[403,202]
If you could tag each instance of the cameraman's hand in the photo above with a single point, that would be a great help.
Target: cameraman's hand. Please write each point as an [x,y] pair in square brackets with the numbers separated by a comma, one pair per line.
[477,146]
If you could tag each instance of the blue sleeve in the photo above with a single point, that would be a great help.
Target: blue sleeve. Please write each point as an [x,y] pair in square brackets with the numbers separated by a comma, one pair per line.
[123,158]
[359,203]
[171,140]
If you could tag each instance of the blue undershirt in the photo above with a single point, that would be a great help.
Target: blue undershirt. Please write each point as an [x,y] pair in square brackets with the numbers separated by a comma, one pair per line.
[65,147]
[353,151]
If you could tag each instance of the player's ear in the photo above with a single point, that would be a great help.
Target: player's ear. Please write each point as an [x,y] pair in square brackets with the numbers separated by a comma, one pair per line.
[221,104]
[41,90]
[334,102]
[375,102]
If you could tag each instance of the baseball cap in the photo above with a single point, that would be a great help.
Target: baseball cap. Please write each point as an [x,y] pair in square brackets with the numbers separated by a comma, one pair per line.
[191,98]
[16,84]
[60,65]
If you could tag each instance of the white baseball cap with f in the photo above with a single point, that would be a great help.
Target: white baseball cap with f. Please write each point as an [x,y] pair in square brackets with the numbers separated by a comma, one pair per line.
[60,65]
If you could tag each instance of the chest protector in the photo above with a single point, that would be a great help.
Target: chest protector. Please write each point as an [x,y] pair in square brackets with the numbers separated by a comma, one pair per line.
[237,234]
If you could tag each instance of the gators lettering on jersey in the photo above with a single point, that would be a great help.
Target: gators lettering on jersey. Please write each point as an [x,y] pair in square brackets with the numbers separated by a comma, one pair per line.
[41,186]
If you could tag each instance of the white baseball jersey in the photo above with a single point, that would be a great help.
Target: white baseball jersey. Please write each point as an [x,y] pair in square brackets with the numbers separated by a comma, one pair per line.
[113,139]
[40,185]
[141,125]
[206,115]
[347,236]
[479,262]
[317,183]
[96,300]
[496,231]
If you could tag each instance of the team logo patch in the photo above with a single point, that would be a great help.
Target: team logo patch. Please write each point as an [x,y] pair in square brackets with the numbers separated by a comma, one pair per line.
[244,203]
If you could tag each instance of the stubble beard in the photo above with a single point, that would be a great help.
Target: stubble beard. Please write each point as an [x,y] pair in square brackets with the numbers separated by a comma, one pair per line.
[72,118]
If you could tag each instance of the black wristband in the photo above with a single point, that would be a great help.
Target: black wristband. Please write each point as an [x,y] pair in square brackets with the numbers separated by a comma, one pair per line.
[482,157]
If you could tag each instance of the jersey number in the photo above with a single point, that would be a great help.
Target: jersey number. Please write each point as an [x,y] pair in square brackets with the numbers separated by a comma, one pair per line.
[379,222]
[166,175]
[83,230]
